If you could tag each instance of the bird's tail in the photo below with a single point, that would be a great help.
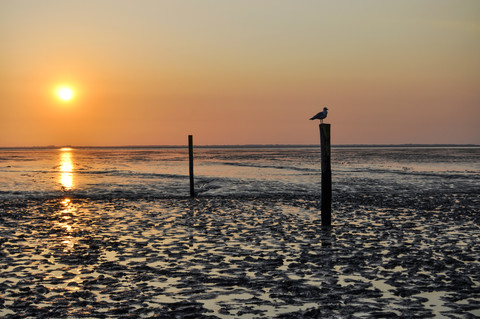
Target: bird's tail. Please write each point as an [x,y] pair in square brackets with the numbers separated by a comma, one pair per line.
[312,118]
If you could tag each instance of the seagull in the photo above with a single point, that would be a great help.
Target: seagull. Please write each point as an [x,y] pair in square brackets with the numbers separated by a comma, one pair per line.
[320,116]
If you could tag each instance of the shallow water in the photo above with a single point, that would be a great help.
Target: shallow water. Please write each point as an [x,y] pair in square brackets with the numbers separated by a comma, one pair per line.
[95,173]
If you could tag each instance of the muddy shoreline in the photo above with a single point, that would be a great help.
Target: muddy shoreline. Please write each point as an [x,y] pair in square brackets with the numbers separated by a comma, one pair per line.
[387,255]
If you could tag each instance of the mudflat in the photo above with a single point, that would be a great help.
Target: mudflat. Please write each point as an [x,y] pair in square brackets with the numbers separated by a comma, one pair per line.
[386,255]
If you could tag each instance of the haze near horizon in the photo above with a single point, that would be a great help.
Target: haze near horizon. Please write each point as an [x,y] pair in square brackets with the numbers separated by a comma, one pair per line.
[243,72]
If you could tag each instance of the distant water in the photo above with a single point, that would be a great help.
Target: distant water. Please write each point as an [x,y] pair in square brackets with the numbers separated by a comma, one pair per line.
[163,172]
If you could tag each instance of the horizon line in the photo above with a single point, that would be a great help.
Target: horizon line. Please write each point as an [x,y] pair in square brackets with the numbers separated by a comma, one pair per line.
[244,146]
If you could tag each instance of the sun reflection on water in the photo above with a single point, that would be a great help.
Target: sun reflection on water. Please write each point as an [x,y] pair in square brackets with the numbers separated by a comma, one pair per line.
[65,224]
[66,168]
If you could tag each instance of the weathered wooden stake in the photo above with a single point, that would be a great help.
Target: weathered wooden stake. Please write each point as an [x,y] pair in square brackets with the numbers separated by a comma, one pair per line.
[190,160]
[326,175]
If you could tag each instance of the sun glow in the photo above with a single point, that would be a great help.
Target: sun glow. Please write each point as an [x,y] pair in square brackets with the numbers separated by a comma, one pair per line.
[65,93]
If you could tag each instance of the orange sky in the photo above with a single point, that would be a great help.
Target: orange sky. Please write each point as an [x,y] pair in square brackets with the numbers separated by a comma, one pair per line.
[239,72]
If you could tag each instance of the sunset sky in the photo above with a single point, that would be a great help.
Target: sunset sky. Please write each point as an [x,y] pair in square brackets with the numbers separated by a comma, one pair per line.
[239,72]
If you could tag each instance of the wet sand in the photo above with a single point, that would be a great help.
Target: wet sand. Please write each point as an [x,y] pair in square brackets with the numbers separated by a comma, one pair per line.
[386,255]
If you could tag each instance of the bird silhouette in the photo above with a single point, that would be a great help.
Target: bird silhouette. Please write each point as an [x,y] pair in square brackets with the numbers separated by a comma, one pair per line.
[320,116]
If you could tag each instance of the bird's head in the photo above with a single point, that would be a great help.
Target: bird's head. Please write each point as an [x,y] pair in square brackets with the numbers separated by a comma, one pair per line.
[325,109]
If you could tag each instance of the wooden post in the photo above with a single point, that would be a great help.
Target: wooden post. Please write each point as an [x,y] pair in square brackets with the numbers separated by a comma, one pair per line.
[190,159]
[326,175]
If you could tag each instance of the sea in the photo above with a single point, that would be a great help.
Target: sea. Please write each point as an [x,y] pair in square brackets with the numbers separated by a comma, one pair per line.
[160,172]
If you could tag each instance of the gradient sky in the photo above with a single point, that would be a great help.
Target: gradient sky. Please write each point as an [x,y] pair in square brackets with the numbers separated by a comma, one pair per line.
[239,72]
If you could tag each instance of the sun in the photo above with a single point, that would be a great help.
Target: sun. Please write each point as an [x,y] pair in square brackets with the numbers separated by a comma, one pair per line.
[65,93]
